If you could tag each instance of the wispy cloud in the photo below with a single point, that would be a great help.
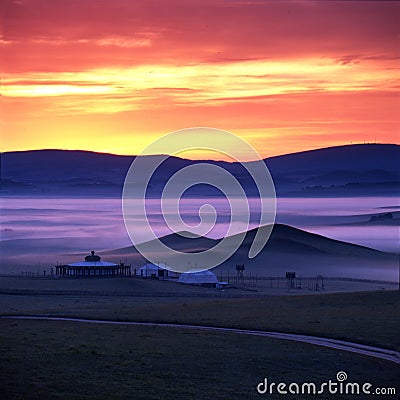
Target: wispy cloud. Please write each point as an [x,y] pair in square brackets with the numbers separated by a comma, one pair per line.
[234,81]
[153,66]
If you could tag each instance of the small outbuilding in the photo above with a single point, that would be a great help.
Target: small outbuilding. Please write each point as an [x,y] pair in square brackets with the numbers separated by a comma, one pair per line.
[151,270]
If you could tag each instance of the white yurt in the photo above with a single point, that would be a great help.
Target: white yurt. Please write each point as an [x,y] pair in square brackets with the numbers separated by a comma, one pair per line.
[202,278]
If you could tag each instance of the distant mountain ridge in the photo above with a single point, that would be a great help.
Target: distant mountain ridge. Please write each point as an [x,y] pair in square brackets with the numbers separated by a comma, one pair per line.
[364,169]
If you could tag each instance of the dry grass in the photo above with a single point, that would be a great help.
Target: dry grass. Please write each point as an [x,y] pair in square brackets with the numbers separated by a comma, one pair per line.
[366,317]
[71,361]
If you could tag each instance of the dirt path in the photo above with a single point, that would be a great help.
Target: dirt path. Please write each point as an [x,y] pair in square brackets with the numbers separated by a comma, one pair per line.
[384,354]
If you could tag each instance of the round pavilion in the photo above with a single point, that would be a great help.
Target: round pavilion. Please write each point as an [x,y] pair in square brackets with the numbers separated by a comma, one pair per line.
[93,267]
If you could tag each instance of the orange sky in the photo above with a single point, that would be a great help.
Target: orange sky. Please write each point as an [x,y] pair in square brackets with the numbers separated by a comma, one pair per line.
[112,76]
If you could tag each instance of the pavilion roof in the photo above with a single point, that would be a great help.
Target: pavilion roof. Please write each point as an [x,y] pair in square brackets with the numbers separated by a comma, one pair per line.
[92,264]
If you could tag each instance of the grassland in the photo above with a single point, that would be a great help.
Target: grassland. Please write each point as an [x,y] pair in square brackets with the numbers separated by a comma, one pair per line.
[366,317]
[154,287]
[59,360]
[65,360]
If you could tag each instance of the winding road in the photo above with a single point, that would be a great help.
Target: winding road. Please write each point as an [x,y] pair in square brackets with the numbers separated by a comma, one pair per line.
[383,354]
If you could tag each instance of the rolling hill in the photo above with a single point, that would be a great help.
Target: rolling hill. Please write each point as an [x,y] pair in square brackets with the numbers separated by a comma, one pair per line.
[290,249]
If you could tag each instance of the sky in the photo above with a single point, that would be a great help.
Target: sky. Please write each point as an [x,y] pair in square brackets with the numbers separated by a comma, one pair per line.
[113,76]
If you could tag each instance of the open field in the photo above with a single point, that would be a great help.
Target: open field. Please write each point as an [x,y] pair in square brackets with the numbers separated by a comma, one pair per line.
[59,360]
[70,360]
[127,286]
[154,287]
[365,317]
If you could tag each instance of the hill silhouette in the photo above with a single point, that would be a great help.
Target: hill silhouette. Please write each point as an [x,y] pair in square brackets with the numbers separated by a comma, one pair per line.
[288,249]
[365,169]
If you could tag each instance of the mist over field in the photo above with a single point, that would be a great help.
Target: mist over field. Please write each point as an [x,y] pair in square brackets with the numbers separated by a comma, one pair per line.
[36,233]
[58,205]
[199,200]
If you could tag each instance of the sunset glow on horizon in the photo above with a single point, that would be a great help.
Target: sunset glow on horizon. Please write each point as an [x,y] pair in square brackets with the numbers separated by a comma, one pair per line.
[286,76]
